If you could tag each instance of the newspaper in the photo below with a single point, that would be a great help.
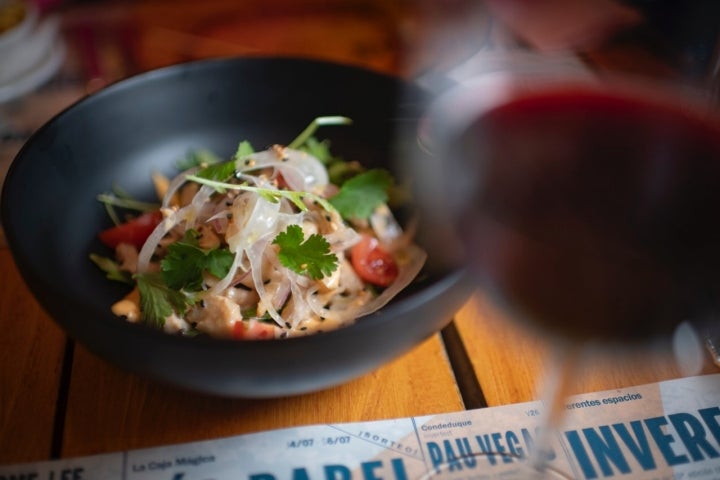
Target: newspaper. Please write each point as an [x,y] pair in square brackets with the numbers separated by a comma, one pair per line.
[667,430]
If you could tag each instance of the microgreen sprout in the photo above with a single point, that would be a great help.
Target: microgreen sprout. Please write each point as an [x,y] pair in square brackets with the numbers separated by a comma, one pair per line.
[269,194]
[314,125]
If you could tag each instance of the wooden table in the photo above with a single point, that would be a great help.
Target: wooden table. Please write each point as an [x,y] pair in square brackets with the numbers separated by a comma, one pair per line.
[58,400]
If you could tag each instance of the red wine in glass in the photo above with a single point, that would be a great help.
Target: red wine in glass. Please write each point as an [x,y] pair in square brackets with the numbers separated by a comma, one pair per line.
[593,215]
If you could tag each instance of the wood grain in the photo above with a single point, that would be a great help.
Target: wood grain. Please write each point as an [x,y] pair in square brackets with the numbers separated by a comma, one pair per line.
[512,360]
[356,32]
[31,354]
[112,410]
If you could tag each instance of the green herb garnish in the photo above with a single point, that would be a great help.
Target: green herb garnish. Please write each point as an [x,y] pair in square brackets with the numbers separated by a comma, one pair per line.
[220,172]
[301,139]
[120,199]
[269,194]
[111,268]
[184,265]
[341,171]
[310,257]
[157,300]
[181,274]
[243,150]
[197,158]
[318,149]
[362,194]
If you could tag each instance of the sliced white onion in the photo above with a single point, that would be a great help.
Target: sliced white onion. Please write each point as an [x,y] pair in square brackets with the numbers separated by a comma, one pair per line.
[301,171]
[227,280]
[342,310]
[256,256]
[175,185]
[342,239]
[254,216]
[200,202]
[315,172]
[383,223]
[153,240]
[392,236]
[282,292]
[300,309]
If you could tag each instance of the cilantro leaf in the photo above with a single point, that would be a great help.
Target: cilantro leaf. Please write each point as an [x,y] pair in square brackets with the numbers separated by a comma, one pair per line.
[251,312]
[111,268]
[318,149]
[197,158]
[219,172]
[183,266]
[157,301]
[218,262]
[243,150]
[310,257]
[341,171]
[359,196]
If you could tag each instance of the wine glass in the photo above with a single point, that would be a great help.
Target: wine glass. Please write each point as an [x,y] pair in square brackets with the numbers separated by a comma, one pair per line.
[580,191]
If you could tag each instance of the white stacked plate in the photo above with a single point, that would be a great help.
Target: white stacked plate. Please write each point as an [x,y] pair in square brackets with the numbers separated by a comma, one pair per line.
[30,54]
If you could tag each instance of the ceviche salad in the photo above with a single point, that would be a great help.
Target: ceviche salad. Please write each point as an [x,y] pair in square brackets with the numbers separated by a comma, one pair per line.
[276,243]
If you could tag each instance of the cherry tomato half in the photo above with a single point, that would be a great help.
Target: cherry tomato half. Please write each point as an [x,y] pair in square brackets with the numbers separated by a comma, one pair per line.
[373,263]
[253,330]
[134,231]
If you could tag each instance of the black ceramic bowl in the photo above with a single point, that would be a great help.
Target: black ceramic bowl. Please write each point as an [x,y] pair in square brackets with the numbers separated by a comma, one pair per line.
[130,129]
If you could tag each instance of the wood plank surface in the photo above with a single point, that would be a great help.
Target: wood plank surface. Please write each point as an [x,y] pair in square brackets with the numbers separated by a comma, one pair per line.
[511,360]
[31,354]
[111,410]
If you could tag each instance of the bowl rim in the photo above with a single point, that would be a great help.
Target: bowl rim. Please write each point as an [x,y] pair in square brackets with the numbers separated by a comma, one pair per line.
[159,73]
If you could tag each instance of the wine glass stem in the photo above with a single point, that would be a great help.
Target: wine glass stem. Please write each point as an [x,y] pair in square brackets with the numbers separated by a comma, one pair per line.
[556,386]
